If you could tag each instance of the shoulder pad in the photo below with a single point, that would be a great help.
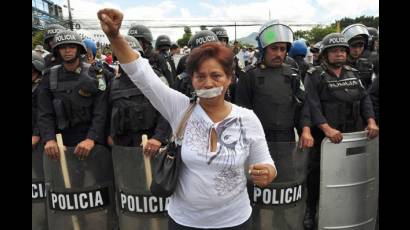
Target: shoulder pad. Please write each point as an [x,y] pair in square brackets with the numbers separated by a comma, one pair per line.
[55,67]
[251,67]
[289,71]
[348,67]
[46,71]
[311,70]
[295,69]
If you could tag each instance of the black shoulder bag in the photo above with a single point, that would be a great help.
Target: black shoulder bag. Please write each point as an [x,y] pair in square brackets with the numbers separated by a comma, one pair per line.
[168,161]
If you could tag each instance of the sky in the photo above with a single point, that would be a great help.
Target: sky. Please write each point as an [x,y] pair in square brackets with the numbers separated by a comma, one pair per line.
[218,12]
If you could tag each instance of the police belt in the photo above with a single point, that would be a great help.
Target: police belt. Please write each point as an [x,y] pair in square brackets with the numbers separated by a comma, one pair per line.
[283,135]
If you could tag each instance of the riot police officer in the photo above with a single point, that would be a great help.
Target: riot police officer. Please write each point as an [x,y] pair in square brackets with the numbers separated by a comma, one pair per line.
[337,102]
[51,31]
[315,51]
[144,37]
[298,52]
[221,34]
[131,113]
[69,100]
[357,37]
[273,89]
[163,46]
[373,40]
[37,67]
[183,81]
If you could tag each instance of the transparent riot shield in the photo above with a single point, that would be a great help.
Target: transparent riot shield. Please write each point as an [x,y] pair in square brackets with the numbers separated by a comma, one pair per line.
[349,183]
[137,207]
[89,202]
[282,204]
[38,190]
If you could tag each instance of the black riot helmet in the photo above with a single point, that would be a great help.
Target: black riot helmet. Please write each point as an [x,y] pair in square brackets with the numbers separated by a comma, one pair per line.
[140,31]
[220,33]
[134,44]
[202,37]
[373,32]
[163,41]
[50,32]
[37,61]
[316,47]
[68,37]
[333,40]
[373,35]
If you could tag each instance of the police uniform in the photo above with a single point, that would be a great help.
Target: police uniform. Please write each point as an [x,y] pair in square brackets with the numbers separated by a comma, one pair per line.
[132,115]
[274,94]
[343,103]
[354,33]
[170,63]
[70,102]
[364,68]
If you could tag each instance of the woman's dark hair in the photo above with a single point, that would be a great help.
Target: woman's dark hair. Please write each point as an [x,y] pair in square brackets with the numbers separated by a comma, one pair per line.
[222,54]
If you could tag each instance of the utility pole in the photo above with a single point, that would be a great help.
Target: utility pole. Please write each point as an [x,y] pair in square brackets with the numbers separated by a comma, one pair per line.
[235,30]
[70,19]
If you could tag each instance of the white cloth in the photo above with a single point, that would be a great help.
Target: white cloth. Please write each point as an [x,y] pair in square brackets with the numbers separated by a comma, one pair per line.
[211,192]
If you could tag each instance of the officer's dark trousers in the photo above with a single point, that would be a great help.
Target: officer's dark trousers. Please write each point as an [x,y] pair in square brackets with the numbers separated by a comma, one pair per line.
[172,225]
[130,139]
[280,135]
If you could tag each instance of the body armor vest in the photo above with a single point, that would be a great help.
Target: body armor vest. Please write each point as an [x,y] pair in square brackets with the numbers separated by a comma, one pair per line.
[131,110]
[273,100]
[68,112]
[340,99]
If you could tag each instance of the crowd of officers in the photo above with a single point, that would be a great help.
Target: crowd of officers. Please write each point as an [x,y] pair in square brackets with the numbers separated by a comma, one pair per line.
[90,103]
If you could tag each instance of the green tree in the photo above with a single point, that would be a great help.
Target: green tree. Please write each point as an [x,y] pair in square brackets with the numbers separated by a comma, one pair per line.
[318,32]
[185,37]
[302,34]
[37,39]
[369,21]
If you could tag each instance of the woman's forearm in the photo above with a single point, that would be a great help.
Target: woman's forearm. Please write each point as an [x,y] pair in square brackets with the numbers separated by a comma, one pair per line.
[122,50]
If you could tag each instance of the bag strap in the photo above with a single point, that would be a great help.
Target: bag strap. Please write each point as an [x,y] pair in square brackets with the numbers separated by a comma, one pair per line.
[182,125]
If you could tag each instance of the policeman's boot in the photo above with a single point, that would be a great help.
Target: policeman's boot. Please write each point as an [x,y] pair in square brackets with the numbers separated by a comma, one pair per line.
[309,220]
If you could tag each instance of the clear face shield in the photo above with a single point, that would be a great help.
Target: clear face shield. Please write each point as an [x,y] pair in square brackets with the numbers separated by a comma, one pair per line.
[354,30]
[275,33]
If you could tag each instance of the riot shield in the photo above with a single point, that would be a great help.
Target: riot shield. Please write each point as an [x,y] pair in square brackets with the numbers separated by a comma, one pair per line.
[349,183]
[89,202]
[137,207]
[281,205]
[38,192]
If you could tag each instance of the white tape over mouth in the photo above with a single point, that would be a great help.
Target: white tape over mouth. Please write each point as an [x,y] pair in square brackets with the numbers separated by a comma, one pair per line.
[209,93]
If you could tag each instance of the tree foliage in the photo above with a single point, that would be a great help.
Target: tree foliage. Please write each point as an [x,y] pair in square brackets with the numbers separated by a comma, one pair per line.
[185,37]
[37,38]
